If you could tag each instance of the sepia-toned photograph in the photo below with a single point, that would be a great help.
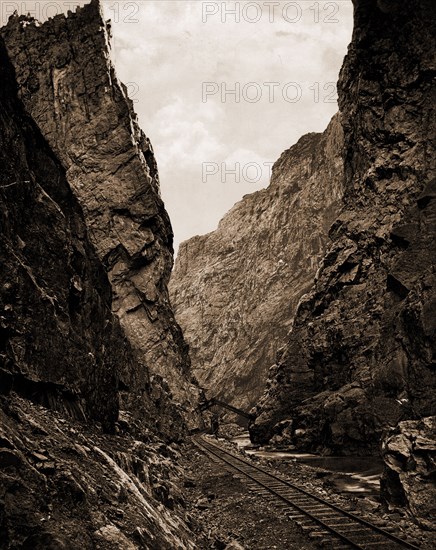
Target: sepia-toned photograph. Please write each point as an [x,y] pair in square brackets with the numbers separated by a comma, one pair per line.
[217,275]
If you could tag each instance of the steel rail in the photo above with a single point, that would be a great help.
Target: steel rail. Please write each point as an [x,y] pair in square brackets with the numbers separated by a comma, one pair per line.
[218,452]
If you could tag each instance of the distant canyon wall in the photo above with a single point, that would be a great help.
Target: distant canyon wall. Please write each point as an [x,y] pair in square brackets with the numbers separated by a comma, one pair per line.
[235,290]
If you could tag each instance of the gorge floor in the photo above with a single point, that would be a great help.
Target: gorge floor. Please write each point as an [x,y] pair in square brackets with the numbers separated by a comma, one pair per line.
[236,517]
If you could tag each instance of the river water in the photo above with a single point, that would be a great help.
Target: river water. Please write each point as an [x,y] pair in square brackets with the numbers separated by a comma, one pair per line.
[349,474]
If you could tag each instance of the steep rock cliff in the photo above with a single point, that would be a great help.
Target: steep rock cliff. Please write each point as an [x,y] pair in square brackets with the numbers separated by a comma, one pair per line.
[63,482]
[68,85]
[361,354]
[60,343]
[235,290]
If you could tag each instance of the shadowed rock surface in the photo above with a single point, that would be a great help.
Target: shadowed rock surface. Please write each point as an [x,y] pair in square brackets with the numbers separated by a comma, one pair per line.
[68,85]
[60,343]
[66,485]
[361,355]
[235,290]
[409,453]
[63,482]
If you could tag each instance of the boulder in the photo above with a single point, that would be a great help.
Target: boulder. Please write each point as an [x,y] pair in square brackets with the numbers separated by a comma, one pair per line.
[409,477]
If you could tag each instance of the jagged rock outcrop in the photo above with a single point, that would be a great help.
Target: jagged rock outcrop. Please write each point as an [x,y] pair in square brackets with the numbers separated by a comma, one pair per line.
[63,482]
[361,355]
[68,85]
[409,453]
[235,290]
[65,485]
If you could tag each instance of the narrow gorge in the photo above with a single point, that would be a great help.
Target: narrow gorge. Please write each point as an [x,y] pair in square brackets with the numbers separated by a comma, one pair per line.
[235,290]
[311,307]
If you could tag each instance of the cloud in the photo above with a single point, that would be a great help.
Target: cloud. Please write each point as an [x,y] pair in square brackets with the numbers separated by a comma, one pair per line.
[184,134]
[171,52]
[166,51]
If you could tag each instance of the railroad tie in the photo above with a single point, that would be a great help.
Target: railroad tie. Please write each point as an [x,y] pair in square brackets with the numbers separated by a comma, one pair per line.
[331,525]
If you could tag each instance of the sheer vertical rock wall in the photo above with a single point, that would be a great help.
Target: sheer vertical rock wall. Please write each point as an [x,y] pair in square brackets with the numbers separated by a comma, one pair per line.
[60,343]
[361,355]
[68,85]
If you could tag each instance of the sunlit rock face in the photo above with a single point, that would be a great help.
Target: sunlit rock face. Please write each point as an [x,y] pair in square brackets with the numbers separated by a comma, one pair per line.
[236,289]
[361,355]
[68,85]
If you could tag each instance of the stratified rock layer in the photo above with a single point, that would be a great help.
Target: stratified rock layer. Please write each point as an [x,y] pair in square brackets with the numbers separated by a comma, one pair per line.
[68,85]
[361,354]
[236,289]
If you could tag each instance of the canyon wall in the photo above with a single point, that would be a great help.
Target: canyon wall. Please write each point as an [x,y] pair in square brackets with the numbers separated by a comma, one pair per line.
[59,339]
[235,290]
[361,354]
[68,85]
[65,482]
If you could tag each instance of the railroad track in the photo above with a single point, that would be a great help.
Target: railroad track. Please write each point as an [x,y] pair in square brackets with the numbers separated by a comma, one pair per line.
[331,525]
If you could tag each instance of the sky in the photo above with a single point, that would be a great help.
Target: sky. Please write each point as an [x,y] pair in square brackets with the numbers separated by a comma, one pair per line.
[221,89]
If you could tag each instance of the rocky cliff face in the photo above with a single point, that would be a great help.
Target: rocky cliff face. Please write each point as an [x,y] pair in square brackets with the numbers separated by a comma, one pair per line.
[60,343]
[409,452]
[361,354]
[236,289]
[63,482]
[68,85]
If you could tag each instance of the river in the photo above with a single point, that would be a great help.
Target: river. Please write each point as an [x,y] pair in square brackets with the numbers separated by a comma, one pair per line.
[350,474]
